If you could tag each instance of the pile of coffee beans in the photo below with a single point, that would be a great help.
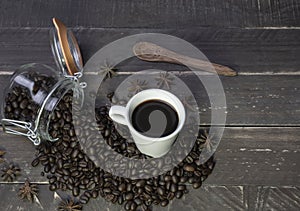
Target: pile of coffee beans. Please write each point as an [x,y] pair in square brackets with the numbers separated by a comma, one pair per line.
[19,104]
[68,168]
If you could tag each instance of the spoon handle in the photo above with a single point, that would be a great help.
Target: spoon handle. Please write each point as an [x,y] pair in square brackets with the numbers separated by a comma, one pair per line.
[151,52]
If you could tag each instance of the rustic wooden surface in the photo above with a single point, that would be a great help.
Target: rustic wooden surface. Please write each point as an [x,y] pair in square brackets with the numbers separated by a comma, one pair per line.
[258,158]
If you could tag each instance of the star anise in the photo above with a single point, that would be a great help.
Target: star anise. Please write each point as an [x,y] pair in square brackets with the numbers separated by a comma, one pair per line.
[164,79]
[10,172]
[188,103]
[28,191]
[137,86]
[206,141]
[69,204]
[107,70]
[2,152]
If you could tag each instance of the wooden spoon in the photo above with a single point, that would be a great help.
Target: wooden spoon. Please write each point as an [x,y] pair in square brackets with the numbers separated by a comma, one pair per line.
[151,52]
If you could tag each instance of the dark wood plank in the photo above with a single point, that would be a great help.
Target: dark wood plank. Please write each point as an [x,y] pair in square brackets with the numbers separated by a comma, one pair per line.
[205,198]
[212,198]
[248,51]
[152,13]
[20,151]
[245,156]
[258,156]
[251,100]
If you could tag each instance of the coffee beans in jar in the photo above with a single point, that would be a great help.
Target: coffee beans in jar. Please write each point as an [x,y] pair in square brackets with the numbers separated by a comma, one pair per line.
[31,98]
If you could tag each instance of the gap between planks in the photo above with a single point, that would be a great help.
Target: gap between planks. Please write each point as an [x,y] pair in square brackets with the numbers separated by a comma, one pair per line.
[283,73]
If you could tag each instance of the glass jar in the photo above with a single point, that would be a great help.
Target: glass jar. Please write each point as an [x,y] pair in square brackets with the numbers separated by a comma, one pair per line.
[35,90]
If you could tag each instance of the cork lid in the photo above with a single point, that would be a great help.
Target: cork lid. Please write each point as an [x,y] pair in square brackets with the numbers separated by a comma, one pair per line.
[65,49]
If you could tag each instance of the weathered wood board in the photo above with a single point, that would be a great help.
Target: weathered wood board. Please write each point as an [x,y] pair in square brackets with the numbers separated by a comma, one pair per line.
[205,198]
[259,155]
[251,100]
[245,156]
[248,51]
[153,13]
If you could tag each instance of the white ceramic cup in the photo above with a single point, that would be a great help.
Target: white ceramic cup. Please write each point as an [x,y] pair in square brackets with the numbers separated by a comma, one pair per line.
[155,147]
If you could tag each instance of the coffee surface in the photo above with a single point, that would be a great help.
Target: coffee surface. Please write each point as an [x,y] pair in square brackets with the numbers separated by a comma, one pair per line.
[154,118]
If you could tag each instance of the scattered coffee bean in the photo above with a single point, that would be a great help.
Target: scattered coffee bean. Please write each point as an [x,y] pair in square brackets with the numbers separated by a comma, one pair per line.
[188,167]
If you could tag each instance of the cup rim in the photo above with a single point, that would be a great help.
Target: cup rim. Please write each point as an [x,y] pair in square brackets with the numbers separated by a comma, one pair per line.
[179,106]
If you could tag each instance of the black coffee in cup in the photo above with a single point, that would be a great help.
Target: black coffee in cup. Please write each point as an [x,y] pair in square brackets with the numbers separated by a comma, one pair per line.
[154,118]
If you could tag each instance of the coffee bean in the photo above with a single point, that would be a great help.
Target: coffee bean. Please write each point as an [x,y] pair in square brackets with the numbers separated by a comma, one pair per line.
[88,194]
[75,153]
[138,201]
[91,185]
[164,203]
[160,191]
[15,104]
[179,194]
[53,187]
[75,191]
[140,183]
[188,167]
[75,174]
[174,188]
[128,205]
[47,168]
[85,181]
[197,173]
[196,185]
[83,164]
[52,180]
[129,196]
[168,178]
[94,194]
[183,179]
[107,190]
[24,104]
[43,158]
[83,199]
[122,187]
[66,172]
[175,179]
[181,187]
[189,159]
[35,162]
[170,195]
[179,172]
[148,189]
[133,206]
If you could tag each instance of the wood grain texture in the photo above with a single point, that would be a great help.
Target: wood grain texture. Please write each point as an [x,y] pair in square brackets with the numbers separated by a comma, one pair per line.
[248,51]
[245,156]
[272,198]
[258,155]
[257,167]
[151,13]
[205,198]
[251,100]
[212,198]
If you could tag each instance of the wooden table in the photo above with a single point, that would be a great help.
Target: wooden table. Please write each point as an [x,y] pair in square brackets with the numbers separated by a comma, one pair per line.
[258,158]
